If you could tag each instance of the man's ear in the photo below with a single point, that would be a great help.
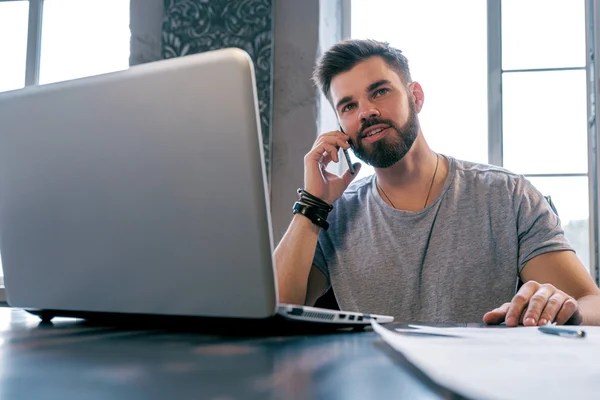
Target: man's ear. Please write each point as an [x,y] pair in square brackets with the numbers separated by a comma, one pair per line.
[418,95]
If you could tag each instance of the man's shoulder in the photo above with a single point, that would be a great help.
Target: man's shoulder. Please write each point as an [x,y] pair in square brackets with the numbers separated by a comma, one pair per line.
[493,182]
[486,174]
[477,168]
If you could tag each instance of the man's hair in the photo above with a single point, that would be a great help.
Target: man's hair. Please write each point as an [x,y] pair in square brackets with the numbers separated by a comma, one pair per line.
[345,55]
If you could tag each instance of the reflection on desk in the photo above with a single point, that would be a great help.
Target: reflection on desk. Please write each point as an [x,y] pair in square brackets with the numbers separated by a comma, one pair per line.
[70,359]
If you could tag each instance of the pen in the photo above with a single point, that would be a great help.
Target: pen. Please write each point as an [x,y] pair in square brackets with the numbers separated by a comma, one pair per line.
[554,330]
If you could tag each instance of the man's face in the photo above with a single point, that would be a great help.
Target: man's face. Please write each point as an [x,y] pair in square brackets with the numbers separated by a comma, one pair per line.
[376,111]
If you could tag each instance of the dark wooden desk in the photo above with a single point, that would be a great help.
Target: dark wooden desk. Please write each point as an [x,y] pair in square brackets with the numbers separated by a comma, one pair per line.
[69,359]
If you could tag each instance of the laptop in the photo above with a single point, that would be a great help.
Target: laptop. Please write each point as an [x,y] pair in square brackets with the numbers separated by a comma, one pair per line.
[143,192]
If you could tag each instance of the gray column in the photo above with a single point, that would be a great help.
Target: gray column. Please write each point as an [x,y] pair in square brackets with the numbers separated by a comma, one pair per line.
[330,32]
[146,18]
[303,30]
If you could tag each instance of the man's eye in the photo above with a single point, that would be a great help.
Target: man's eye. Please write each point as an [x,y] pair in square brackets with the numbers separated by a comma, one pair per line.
[347,107]
[381,91]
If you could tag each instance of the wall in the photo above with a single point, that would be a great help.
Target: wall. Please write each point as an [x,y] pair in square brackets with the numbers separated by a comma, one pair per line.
[302,31]
[198,26]
[146,31]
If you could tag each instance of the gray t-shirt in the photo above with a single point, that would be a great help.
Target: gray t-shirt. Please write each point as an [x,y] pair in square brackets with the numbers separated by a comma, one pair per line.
[451,262]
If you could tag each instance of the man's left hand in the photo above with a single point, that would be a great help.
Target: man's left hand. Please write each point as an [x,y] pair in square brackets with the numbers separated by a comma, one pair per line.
[536,304]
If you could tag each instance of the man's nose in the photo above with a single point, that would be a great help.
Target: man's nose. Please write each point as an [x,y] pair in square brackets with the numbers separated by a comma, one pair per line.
[368,113]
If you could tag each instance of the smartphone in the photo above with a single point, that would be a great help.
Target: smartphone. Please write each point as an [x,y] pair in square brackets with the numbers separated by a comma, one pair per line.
[350,165]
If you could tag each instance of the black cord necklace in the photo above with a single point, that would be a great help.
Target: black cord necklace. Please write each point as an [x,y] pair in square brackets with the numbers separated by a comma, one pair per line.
[437,161]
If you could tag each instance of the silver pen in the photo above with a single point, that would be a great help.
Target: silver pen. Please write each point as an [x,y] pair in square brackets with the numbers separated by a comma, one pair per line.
[566,332]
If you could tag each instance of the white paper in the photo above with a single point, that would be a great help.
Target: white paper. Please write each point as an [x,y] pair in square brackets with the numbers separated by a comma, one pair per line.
[504,363]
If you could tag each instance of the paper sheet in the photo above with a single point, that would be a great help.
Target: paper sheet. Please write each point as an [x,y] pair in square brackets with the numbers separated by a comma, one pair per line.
[503,363]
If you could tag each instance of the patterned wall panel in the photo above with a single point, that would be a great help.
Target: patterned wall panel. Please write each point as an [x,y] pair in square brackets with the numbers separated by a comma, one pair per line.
[195,26]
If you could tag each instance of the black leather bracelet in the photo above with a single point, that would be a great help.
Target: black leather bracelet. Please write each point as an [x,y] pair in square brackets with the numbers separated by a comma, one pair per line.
[311,200]
[316,215]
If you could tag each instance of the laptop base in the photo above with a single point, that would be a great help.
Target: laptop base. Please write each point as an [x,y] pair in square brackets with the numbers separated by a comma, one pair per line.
[275,325]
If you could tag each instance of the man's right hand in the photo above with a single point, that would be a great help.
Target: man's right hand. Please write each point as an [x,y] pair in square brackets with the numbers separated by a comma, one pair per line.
[317,180]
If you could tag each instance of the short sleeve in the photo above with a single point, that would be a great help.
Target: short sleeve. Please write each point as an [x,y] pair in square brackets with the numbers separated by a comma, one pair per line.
[319,260]
[538,226]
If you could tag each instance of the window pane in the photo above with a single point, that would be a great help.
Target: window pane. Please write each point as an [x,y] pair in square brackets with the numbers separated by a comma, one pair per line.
[451,67]
[543,34]
[545,122]
[570,196]
[13,44]
[83,37]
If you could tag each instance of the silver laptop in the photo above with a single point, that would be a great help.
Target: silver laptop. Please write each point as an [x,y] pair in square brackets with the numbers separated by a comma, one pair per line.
[142,192]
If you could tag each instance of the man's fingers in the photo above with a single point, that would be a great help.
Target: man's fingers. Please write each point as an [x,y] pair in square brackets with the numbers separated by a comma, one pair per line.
[321,147]
[337,134]
[497,315]
[552,308]
[337,143]
[319,153]
[522,317]
[335,138]
[569,309]
[519,302]
[325,159]
[537,302]
[332,152]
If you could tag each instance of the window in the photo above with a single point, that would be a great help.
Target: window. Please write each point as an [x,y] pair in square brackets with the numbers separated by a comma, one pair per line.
[542,118]
[83,38]
[545,121]
[78,38]
[543,34]
[13,44]
[451,67]
[544,106]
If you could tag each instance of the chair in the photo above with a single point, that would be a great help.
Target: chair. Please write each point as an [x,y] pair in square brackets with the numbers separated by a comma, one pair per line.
[327,300]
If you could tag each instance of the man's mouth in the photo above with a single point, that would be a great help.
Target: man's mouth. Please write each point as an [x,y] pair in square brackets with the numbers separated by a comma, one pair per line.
[375,132]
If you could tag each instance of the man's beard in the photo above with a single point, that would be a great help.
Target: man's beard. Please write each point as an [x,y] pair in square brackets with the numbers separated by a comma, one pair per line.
[388,151]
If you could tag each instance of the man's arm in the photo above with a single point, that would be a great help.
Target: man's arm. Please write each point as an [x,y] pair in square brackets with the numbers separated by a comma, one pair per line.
[564,271]
[293,261]
[296,250]
[557,289]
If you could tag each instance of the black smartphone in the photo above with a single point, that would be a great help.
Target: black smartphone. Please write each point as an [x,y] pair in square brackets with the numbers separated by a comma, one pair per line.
[350,165]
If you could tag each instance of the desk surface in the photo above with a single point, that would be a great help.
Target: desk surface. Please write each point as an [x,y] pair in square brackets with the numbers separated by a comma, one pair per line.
[69,359]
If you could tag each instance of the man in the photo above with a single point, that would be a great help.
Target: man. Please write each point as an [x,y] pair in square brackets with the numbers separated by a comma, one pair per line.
[427,238]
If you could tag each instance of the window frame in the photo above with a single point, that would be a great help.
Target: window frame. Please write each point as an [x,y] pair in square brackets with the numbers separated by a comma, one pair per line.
[34,40]
[495,133]
[592,18]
